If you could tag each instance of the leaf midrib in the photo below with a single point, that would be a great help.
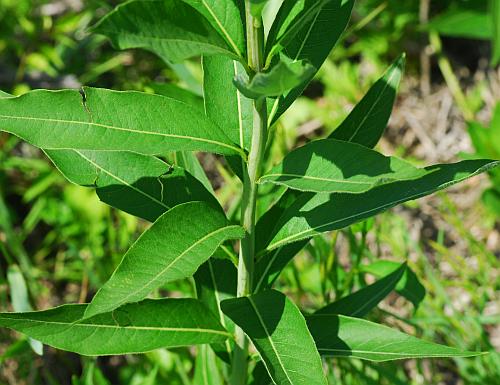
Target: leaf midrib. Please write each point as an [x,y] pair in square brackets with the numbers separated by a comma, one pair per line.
[123,181]
[261,321]
[154,328]
[223,29]
[65,121]
[157,276]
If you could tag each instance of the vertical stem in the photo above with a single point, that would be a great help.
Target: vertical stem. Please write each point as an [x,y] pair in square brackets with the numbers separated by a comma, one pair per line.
[255,49]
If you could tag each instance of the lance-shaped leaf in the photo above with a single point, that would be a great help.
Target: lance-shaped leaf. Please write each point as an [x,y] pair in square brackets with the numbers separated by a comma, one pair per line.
[225,17]
[100,119]
[367,121]
[224,104]
[133,328]
[359,303]
[173,248]
[313,42]
[341,336]
[171,29]
[280,79]
[216,281]
[335,166]
[409,285]
[279,333]
[173,91]
[140,185]
[313,214]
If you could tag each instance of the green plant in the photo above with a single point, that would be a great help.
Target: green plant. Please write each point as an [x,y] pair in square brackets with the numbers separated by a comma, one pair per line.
[486,142]
[135,149]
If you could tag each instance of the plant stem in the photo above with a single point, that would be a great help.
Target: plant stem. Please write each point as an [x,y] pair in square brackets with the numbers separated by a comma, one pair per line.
[255,48]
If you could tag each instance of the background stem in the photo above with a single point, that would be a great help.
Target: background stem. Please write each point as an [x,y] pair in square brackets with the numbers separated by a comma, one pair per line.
[255,48]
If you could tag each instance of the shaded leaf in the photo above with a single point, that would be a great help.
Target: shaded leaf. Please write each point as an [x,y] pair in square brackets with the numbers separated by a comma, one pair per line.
[100,119]
[335,166]
[189,161]
[280,79]
[216,281]
[172,249]
[313,214]
[409,286]
[181,94]
[270,320]
[367,121]
[171,29]
[140,185]
[341,336]
[359,303]
[133,328]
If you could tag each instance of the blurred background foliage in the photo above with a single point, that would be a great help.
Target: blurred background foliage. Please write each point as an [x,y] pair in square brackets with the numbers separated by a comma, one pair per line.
[58,243]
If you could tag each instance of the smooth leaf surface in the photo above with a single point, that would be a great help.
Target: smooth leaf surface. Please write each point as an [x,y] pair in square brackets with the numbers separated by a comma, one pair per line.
[367,121]
[205,370]
[173,91]
[111,120]
[225,17]
[312,43]
[216,281]
[359,303]
[224,104]
[173,30]
[335,166]
[189,161]
[341,336]
[313,214]
[279,333]
[292,17]
[172,249]
[409,285]
[140,185]
[133,328]
[280,79]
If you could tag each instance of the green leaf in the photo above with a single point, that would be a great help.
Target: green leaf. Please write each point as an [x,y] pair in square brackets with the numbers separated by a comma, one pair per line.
[101,119]
[175,92]
[172,249]
[367,121]
[291,19]
[224,104]
[206,371]
[140,185]
[216,281]
[312,43]
[280,79]
[279,333]
[133,328]
[171,29]
[256,7]
[358,304]
[469,21]
[341,336]
[409,285]
[225,17]
[313,214]
[335,166]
